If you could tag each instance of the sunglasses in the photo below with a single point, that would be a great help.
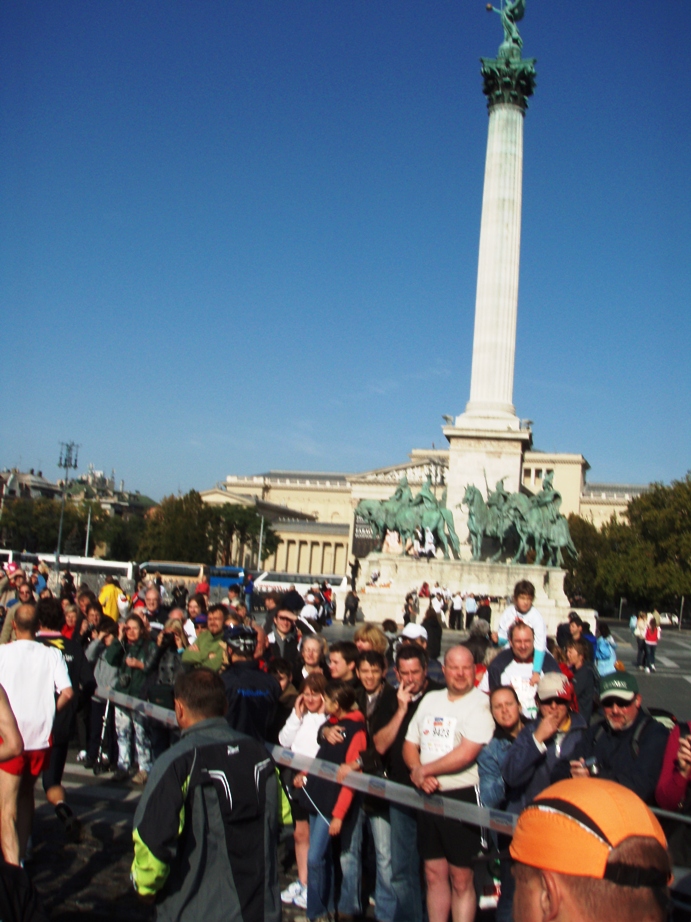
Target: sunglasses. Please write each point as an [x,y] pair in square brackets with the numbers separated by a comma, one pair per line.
[548,701]
[619,702]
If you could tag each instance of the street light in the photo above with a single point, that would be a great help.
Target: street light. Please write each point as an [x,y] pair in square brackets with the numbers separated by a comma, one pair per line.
[67,462]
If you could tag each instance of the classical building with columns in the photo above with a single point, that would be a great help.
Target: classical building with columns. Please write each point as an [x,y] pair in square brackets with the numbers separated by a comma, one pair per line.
[313,512]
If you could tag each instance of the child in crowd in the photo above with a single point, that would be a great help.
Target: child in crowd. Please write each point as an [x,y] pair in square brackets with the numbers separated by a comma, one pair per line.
[523,610]
[335,811]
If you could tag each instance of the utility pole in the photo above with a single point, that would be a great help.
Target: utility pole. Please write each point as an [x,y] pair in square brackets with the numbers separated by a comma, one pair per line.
[67,462]
[88,531]
[261,542]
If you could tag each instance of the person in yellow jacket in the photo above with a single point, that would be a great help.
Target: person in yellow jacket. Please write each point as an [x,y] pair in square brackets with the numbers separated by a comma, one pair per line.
[108,597]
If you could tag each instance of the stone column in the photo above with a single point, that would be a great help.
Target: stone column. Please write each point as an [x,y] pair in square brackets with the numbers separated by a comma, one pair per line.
[496,303]
[486,442]
[508,81]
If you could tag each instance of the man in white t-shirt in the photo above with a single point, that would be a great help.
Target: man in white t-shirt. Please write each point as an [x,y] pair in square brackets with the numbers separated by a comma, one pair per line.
[441,747]
[32,674]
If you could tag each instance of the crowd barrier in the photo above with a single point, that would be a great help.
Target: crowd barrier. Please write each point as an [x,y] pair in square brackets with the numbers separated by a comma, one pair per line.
[487,818]
[497,820]
[400,794]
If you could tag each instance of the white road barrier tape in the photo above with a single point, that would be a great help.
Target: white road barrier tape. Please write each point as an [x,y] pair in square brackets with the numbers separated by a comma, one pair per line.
[365,784]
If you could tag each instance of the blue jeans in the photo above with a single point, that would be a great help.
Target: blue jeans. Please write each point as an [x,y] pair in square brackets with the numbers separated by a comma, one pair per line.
[384,897]
[125,722]
[405,864]
[650,649]
[320,870]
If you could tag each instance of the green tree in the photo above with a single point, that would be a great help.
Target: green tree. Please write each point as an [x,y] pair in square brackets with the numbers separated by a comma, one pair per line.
[581,583]
[120,535]
[231,527]
[186,529]
[32,525]
[646,559]
[177,530]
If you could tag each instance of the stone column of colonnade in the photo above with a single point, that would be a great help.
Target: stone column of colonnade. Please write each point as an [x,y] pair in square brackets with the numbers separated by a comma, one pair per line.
[496,305]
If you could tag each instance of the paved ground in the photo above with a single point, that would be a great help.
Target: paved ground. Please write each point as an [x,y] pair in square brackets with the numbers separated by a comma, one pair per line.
[670,686]
[91,880]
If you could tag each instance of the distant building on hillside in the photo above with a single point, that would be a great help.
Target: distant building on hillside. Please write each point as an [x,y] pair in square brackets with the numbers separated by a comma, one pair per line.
[92,486]
[15,484]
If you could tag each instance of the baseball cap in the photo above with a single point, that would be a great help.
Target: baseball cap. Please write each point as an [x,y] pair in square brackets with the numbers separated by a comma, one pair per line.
[13,569]
[555,685]
[242,639]
[572,826]
[414,631]
[201,619]
[619,685]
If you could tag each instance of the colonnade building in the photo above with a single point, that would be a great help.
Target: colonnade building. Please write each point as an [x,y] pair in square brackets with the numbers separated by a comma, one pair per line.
[313,513]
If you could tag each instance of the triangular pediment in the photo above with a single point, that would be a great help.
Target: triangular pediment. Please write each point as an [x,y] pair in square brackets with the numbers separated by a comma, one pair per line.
[416,471]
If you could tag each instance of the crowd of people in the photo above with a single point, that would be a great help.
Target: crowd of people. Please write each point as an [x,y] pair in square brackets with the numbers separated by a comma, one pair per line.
[509,715]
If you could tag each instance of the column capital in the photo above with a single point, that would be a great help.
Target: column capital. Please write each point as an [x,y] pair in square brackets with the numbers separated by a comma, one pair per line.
[508,78]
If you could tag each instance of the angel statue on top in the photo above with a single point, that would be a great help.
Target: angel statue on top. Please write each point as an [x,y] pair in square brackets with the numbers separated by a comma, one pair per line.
[511,13]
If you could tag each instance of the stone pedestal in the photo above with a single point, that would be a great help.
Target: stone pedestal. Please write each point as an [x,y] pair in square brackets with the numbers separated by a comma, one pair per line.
[398,575]
[477,456]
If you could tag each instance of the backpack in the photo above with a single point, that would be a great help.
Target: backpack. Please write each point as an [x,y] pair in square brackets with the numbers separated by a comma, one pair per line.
[635,739]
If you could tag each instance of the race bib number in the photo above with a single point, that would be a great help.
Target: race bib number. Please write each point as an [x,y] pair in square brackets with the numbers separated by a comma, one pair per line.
[437,738]
[526,696]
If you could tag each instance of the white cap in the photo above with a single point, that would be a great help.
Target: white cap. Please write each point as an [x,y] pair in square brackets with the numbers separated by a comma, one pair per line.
[414,632]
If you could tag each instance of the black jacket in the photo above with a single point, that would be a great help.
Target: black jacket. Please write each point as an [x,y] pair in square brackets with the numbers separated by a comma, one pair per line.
[81,676]
[252,699]
[632,757]
[434,631]
[396,769]
[286,649]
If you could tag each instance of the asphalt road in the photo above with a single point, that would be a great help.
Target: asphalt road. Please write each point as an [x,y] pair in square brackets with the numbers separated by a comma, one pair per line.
[670,686]
[91,880]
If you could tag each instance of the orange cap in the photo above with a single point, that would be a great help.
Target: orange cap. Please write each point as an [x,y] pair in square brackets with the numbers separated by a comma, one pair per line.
[573,825]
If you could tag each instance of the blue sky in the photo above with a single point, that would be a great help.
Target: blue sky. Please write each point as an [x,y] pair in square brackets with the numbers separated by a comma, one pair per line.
[243,235]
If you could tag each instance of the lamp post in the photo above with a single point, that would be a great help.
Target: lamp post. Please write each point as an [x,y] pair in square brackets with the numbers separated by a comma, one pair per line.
[67,462]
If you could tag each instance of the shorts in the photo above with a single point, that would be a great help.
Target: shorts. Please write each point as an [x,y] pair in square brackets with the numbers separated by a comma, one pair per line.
[457,842]
[298,812]
[30,762]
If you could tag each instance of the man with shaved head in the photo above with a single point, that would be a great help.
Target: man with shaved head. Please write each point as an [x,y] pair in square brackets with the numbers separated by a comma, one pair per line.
[442,744]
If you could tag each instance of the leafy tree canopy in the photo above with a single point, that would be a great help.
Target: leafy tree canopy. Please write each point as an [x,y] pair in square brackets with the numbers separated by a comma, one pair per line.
[646,560]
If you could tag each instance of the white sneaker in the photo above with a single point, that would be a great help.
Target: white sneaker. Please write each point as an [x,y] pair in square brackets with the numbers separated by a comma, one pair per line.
[81,755]
[290,892]
[300,898]
[647,668]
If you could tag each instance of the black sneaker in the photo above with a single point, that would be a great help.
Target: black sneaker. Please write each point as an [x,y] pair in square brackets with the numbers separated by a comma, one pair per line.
[73,827]
[121,774]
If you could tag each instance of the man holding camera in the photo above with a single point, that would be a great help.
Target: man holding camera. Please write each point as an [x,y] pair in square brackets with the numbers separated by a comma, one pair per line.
[628,746]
